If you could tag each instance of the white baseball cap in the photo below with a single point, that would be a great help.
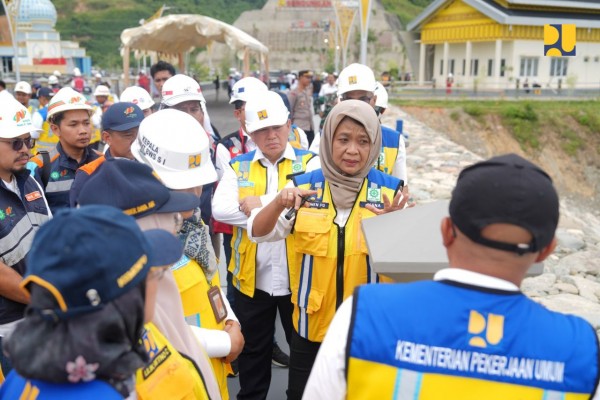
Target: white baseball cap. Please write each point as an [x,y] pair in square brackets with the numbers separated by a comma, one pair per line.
[137,95]
[67,99]
[23,87]
[382,96]
[245,88]
[176,146]
[356,77]
[52,80]
[265,110]
[180,88]
[15,119]
[101,90]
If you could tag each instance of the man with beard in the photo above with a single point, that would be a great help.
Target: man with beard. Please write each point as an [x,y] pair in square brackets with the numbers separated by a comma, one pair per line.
[23,209]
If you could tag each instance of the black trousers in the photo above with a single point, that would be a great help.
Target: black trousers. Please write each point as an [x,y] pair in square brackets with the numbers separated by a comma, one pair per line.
[257,316]
[303,353]
[310,135]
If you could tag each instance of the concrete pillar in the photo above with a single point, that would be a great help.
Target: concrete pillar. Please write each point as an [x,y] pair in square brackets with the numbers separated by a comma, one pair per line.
[446,61]
[468,52]
[422,54]
[497,58]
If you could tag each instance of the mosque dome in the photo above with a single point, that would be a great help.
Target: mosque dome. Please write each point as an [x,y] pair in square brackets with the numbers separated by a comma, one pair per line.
[36,10]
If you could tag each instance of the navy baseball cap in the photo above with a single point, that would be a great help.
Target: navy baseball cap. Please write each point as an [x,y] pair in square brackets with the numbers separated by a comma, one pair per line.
[506,189]
[122,116]
[45,92]
[89,256]
[134,188]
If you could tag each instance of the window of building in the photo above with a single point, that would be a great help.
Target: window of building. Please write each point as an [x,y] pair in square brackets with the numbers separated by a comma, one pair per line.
[7,64]
[452,66]
[442,67]
[529,66]
[558,66]
[464,66]
[502,66]
[490,70]
[474,67]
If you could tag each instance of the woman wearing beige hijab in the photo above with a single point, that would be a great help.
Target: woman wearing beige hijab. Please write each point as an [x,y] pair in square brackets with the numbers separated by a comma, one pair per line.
[331,253]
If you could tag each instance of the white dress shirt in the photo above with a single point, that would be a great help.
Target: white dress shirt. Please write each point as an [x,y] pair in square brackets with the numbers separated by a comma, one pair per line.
[328,377]
[271,262]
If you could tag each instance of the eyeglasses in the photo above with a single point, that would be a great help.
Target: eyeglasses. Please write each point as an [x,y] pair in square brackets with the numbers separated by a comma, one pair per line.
[17,144]
[178,219]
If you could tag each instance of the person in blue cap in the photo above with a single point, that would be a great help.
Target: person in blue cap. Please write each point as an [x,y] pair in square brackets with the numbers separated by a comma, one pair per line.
[80,338]
[121,123]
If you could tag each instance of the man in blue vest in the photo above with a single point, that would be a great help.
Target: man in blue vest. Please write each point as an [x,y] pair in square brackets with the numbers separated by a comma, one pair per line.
[470,333]
[23,209]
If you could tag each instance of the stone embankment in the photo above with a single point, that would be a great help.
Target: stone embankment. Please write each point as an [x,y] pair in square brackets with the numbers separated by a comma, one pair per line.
[571,279]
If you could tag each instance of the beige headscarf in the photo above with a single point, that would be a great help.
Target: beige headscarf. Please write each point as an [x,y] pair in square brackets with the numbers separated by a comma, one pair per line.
[345,188]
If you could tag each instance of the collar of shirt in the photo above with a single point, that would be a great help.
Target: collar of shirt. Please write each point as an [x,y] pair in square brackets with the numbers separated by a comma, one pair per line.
[474,279]
[66,161]
[287,153]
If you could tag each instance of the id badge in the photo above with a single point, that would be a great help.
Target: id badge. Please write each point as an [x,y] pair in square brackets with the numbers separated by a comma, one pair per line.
[217,304]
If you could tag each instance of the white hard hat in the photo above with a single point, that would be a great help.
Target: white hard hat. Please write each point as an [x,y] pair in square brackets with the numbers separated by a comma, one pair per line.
[76,71]
[265,110]
[98,75]
[356,77]
[382,96]
[52,80]
[15,119]
[180,88]
[101,90]
[56,73]
[245,88]
[137,95]
[67,99]
[23,87]
[176,146]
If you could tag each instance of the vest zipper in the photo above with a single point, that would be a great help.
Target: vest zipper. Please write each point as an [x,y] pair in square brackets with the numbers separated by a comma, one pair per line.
[339,275]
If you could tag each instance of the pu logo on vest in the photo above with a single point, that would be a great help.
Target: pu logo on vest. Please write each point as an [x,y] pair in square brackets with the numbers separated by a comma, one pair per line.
[352,80]
[262,115]
[485,332]
[156,357]
[194,161]
[559,40]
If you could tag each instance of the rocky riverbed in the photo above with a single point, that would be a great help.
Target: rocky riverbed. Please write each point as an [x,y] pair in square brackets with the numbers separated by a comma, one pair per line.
[571,279]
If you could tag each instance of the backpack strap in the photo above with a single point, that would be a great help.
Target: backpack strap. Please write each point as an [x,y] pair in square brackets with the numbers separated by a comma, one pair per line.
[45,170]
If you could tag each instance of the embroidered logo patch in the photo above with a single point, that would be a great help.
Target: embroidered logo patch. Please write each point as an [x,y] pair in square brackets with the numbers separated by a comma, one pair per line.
[352,80]
[194,161]
[262,115]
[33,196]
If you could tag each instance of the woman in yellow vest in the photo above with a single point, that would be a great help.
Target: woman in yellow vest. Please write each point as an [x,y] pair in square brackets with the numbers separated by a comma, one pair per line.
[81,335]
[331,253]
[185,165]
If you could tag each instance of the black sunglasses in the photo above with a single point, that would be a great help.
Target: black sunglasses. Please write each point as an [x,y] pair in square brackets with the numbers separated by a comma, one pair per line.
[17,144]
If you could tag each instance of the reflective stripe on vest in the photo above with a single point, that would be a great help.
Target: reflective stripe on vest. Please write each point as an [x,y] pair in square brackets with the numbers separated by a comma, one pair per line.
[318,282]
[252,181]
[445,341]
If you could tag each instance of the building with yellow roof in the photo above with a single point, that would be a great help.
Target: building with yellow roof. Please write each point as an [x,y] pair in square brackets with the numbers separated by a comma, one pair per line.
[495,43]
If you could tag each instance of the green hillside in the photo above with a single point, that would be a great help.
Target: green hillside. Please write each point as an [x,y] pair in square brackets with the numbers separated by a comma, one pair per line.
[97,24]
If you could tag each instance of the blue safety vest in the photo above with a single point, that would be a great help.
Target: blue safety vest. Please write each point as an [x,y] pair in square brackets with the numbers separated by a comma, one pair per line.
[17,387]
[444,340]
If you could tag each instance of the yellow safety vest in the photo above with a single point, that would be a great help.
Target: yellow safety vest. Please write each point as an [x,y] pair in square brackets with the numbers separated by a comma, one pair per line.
[252,181]
[390,140]
[96,133]
[319,282]
[47,140]
[168,374]
[193,288]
